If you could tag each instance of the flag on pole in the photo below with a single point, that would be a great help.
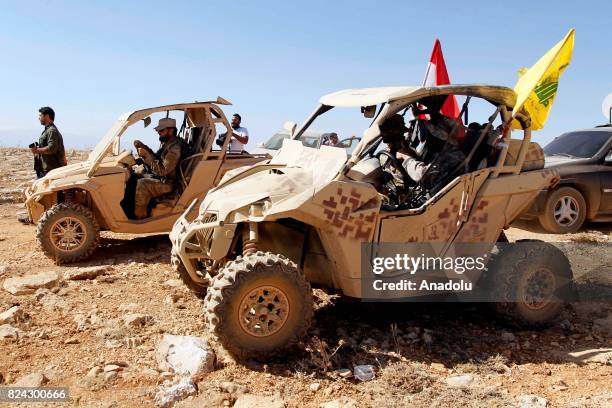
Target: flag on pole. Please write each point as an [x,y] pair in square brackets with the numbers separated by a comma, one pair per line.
[537,86]
[437,74]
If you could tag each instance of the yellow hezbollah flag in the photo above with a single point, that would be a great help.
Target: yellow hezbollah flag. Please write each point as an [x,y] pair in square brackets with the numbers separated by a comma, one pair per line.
[537,86]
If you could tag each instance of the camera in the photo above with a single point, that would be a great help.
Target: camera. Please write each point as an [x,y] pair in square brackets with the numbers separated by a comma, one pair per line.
[33,145]
[221,139]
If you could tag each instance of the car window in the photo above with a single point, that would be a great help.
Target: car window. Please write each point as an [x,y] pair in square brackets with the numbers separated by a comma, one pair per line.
[310,141]
[276,141]
[577,144]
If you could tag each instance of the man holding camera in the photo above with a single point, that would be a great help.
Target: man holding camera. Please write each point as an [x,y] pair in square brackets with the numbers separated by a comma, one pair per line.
[240,135]
[49,151]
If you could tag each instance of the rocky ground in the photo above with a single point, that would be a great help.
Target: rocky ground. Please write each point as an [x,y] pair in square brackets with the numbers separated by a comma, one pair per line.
[107,329]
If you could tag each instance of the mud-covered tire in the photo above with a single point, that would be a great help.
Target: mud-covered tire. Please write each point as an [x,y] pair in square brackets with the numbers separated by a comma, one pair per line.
[179,267]
[523,273]
[80,220]
[555,219]
[240,288]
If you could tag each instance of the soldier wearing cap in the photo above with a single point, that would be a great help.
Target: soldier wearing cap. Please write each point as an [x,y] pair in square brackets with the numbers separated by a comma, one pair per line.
[444,155]
[162,164]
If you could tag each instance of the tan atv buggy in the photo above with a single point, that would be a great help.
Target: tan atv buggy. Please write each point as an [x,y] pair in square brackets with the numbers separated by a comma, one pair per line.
[308,216]
[73,203]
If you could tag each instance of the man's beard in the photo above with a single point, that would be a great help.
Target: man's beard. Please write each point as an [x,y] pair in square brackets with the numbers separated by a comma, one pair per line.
[235,126]
[162,139]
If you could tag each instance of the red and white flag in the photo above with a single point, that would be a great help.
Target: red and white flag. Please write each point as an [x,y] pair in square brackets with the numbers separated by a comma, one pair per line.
[436,74]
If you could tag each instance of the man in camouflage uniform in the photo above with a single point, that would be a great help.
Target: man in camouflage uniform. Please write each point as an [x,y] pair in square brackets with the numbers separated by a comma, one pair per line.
[163,166]
[443,154]
[49,152]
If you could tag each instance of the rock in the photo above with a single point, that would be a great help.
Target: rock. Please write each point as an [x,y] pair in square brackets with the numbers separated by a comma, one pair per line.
[531,401]
[52,302]
[34,380]
[13,315]
[149,372]
[174,283]
[94,372]
[110,376]
[8,332]
[4,269]
[128,307]
[344,402]
[81,322]
[601,355]
[604,326]
[95,379]
[71,340]
[166,397]
[135,320]
[87,273]
[314,387]
[185,355]
[112,367]
[364,372]
[438,366]
[28,284]
[460,381]
[508,337]
[344,372]
[110,332]
[233,388]
[259,401]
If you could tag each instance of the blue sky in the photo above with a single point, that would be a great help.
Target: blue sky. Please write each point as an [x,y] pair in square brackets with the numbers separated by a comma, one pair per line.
[92,61]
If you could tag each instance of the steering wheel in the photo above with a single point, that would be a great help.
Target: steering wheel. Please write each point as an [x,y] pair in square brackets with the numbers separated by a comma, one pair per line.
[393,162]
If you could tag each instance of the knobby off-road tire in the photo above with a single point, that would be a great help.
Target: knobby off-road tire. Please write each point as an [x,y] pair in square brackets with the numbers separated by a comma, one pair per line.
[259,305]
[179,267]
[531,281]
[68,232]
[564,211]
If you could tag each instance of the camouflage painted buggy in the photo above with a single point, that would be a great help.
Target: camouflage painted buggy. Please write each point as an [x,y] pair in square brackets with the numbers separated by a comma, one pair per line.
[270,231]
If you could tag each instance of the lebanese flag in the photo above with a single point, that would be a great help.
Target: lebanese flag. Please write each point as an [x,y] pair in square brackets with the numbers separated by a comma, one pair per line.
[437,74]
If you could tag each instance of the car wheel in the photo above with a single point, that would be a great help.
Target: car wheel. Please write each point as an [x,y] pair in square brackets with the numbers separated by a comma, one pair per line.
[531,282]
[259,305]
[68,232]
[564,211]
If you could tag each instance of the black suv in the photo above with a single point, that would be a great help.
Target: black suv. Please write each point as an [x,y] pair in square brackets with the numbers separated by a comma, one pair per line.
[584,161]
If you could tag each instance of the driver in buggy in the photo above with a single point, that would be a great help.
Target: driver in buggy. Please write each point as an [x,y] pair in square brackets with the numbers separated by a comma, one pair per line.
[440,157]
[160,172]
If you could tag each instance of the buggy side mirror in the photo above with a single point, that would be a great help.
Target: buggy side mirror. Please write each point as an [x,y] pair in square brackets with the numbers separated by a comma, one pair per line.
[147,121]
[290,127]
[368,111]
[608,158]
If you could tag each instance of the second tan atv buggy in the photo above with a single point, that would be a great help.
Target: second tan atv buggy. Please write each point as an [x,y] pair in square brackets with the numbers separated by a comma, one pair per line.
[72,204]
[307,216]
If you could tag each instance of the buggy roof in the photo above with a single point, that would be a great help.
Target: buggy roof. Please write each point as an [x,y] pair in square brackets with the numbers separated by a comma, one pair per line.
[497,95]
[142,113]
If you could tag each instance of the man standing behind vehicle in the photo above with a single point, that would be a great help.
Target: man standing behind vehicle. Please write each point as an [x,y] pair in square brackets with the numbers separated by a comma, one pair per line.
[162,176]
[49,152]
[240,135]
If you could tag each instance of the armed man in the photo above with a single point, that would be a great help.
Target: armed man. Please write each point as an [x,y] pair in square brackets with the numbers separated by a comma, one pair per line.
[161,168]
[49,151]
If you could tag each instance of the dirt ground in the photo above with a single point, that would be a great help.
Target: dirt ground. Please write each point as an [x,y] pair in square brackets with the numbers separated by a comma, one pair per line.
[414,348]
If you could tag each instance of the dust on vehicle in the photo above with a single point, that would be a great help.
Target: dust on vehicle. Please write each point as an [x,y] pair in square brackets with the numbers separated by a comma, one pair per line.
[72,204]
[265,234]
